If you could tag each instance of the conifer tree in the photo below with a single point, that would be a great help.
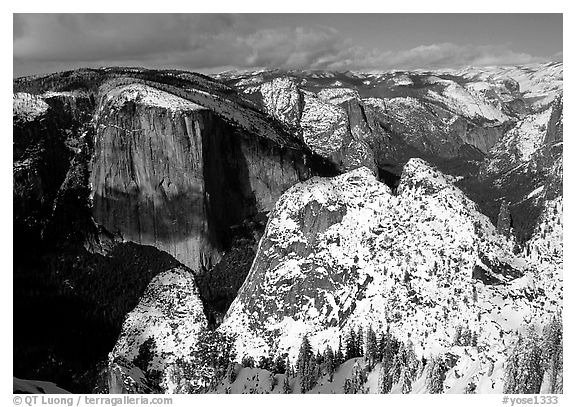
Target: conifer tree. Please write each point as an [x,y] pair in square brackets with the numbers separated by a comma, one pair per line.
[436,374]
[360,342]
[288,367]
[525,365]
[552,348]
[231,372]
[286,384]
[405,380]
[404,366]
[351,345]
[279,365]
[458,336]
[371,348]
[411,360]
[338,356]
[303,356]
[383,382]
[466,338]
[329,362]
[319,358]
[355,383]
[474,339]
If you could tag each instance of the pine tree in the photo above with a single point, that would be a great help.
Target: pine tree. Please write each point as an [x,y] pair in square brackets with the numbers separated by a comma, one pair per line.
[286,384]
[309,374]
[436,375]
[406,380]
[458,336]
[411,360]
[329,362]
[279,365]
[552,348]
[247,361]
[338,356]
[351,345]
[288,367]
[371,348]
[265,363]
[319,358]
[231,372]
[383,381]
[474,339]
[404,366]
[355,383]
[303,356]
[360,342]
[466,337]
[389,347]
[525,365]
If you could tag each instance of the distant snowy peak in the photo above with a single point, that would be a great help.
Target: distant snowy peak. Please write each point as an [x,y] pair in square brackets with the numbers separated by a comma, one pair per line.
[467,102]
[540,83]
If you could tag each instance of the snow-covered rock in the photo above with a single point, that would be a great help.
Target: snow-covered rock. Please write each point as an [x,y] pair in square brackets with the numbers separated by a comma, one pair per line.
[149,96]
[170,311]
[282,100]
[347,251]
[459,100]
[28,107]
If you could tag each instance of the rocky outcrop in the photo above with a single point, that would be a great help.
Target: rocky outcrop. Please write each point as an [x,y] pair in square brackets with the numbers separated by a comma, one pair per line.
[173,174]
[170,313]
[345,251]
[322,123]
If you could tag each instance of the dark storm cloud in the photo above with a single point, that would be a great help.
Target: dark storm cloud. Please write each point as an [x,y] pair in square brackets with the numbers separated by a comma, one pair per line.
[210,41]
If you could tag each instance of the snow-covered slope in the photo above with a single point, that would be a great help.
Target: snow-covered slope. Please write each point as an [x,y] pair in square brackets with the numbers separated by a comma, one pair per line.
[467,101]
[347,251]
[149,96]
[27,107]
[171,312]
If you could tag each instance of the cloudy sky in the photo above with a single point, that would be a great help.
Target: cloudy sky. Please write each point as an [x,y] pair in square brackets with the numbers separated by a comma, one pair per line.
[45,43]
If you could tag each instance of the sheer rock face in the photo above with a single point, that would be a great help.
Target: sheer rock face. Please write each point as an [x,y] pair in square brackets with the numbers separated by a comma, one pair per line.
[170,173]
[345,252]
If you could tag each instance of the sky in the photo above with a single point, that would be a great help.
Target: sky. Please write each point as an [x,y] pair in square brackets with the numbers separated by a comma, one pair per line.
[44,43]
